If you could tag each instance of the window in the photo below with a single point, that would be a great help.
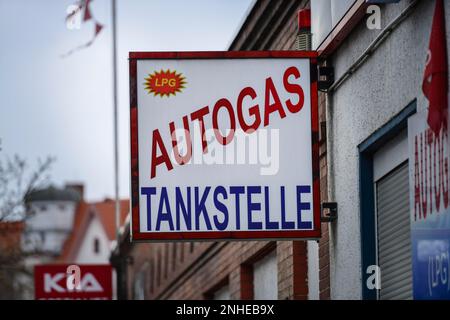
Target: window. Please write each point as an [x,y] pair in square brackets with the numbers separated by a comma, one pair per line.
[181,251]
[394,235]
[96,246]
[152,275]
[384,209]
[265,278]
[139,286]
[391,184]
[219,291]
[222,293]
[174,255]
[166,261]
[158,269]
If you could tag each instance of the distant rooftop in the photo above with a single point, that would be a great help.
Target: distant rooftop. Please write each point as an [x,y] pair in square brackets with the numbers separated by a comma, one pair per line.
[53,193]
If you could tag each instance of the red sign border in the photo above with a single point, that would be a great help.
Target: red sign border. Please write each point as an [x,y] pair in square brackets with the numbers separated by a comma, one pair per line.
[137,235]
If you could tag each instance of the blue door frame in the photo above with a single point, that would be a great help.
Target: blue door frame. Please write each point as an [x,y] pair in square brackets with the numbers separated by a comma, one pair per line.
[366,190]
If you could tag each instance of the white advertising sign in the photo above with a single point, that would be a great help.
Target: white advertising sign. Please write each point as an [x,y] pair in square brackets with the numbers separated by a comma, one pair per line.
[429,209]
[224,145]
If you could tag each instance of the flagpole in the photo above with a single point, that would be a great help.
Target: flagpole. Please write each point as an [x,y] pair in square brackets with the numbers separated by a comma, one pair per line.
[116,142]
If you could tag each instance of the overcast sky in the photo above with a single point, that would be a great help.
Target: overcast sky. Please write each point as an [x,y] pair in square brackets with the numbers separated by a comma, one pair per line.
[63,106]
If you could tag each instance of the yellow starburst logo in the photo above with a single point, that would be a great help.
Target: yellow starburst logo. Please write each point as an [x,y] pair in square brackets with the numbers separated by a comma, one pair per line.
[164,83]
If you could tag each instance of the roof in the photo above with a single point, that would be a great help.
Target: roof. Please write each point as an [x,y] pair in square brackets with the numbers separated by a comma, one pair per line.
[241,23]
[104,211]
[13,226]
[264,22]
[53,193]
[10,235]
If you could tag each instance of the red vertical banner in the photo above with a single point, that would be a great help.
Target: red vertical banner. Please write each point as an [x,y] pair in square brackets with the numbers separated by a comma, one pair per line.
[435,78]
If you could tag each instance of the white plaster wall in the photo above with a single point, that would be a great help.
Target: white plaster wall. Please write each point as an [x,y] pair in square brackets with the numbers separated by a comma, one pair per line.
[385,84]
[86,252]
[57,215]
[47,229]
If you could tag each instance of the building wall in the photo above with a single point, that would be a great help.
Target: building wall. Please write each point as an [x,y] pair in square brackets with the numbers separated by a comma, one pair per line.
[86,253]
[382,86]
[200,270]
[60,213]
[386,83]
[269,29]
[49,225]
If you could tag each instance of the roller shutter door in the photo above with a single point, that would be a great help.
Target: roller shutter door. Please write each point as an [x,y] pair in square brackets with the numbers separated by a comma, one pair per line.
[393,230]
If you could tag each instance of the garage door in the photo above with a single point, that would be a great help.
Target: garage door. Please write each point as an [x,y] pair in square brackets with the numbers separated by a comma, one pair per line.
[393,230]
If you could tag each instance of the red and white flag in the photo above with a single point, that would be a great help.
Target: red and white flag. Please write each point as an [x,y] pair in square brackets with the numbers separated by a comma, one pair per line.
[83,6]
[435,78]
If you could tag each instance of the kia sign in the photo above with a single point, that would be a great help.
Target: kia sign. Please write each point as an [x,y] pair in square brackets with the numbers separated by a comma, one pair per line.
[224,145]
[78,282]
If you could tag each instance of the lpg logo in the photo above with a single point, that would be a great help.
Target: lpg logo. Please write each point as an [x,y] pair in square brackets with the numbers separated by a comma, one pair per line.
[74,281]
[165,83]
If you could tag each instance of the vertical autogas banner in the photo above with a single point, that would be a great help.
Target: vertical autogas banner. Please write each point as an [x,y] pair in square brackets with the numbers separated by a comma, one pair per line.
[224,145]
[430,209]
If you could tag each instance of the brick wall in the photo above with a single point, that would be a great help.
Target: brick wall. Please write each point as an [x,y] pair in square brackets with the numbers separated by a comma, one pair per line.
[178,271]
[324,250]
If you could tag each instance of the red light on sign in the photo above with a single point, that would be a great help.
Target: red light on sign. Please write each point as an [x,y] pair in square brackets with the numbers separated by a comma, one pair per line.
[54,282]
[304,19]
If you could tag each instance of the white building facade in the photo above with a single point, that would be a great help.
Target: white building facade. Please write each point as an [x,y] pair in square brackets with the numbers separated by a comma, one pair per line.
[378,76]
[48,224]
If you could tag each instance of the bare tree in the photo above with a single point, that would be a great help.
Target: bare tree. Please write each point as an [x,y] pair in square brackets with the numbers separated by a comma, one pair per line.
[17,180]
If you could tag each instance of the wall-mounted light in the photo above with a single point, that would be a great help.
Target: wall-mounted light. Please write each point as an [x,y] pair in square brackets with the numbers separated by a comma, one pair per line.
[304,35]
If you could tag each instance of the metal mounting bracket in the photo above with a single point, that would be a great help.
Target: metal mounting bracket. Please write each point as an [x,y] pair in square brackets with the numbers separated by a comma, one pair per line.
[328,212]
[325,78]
